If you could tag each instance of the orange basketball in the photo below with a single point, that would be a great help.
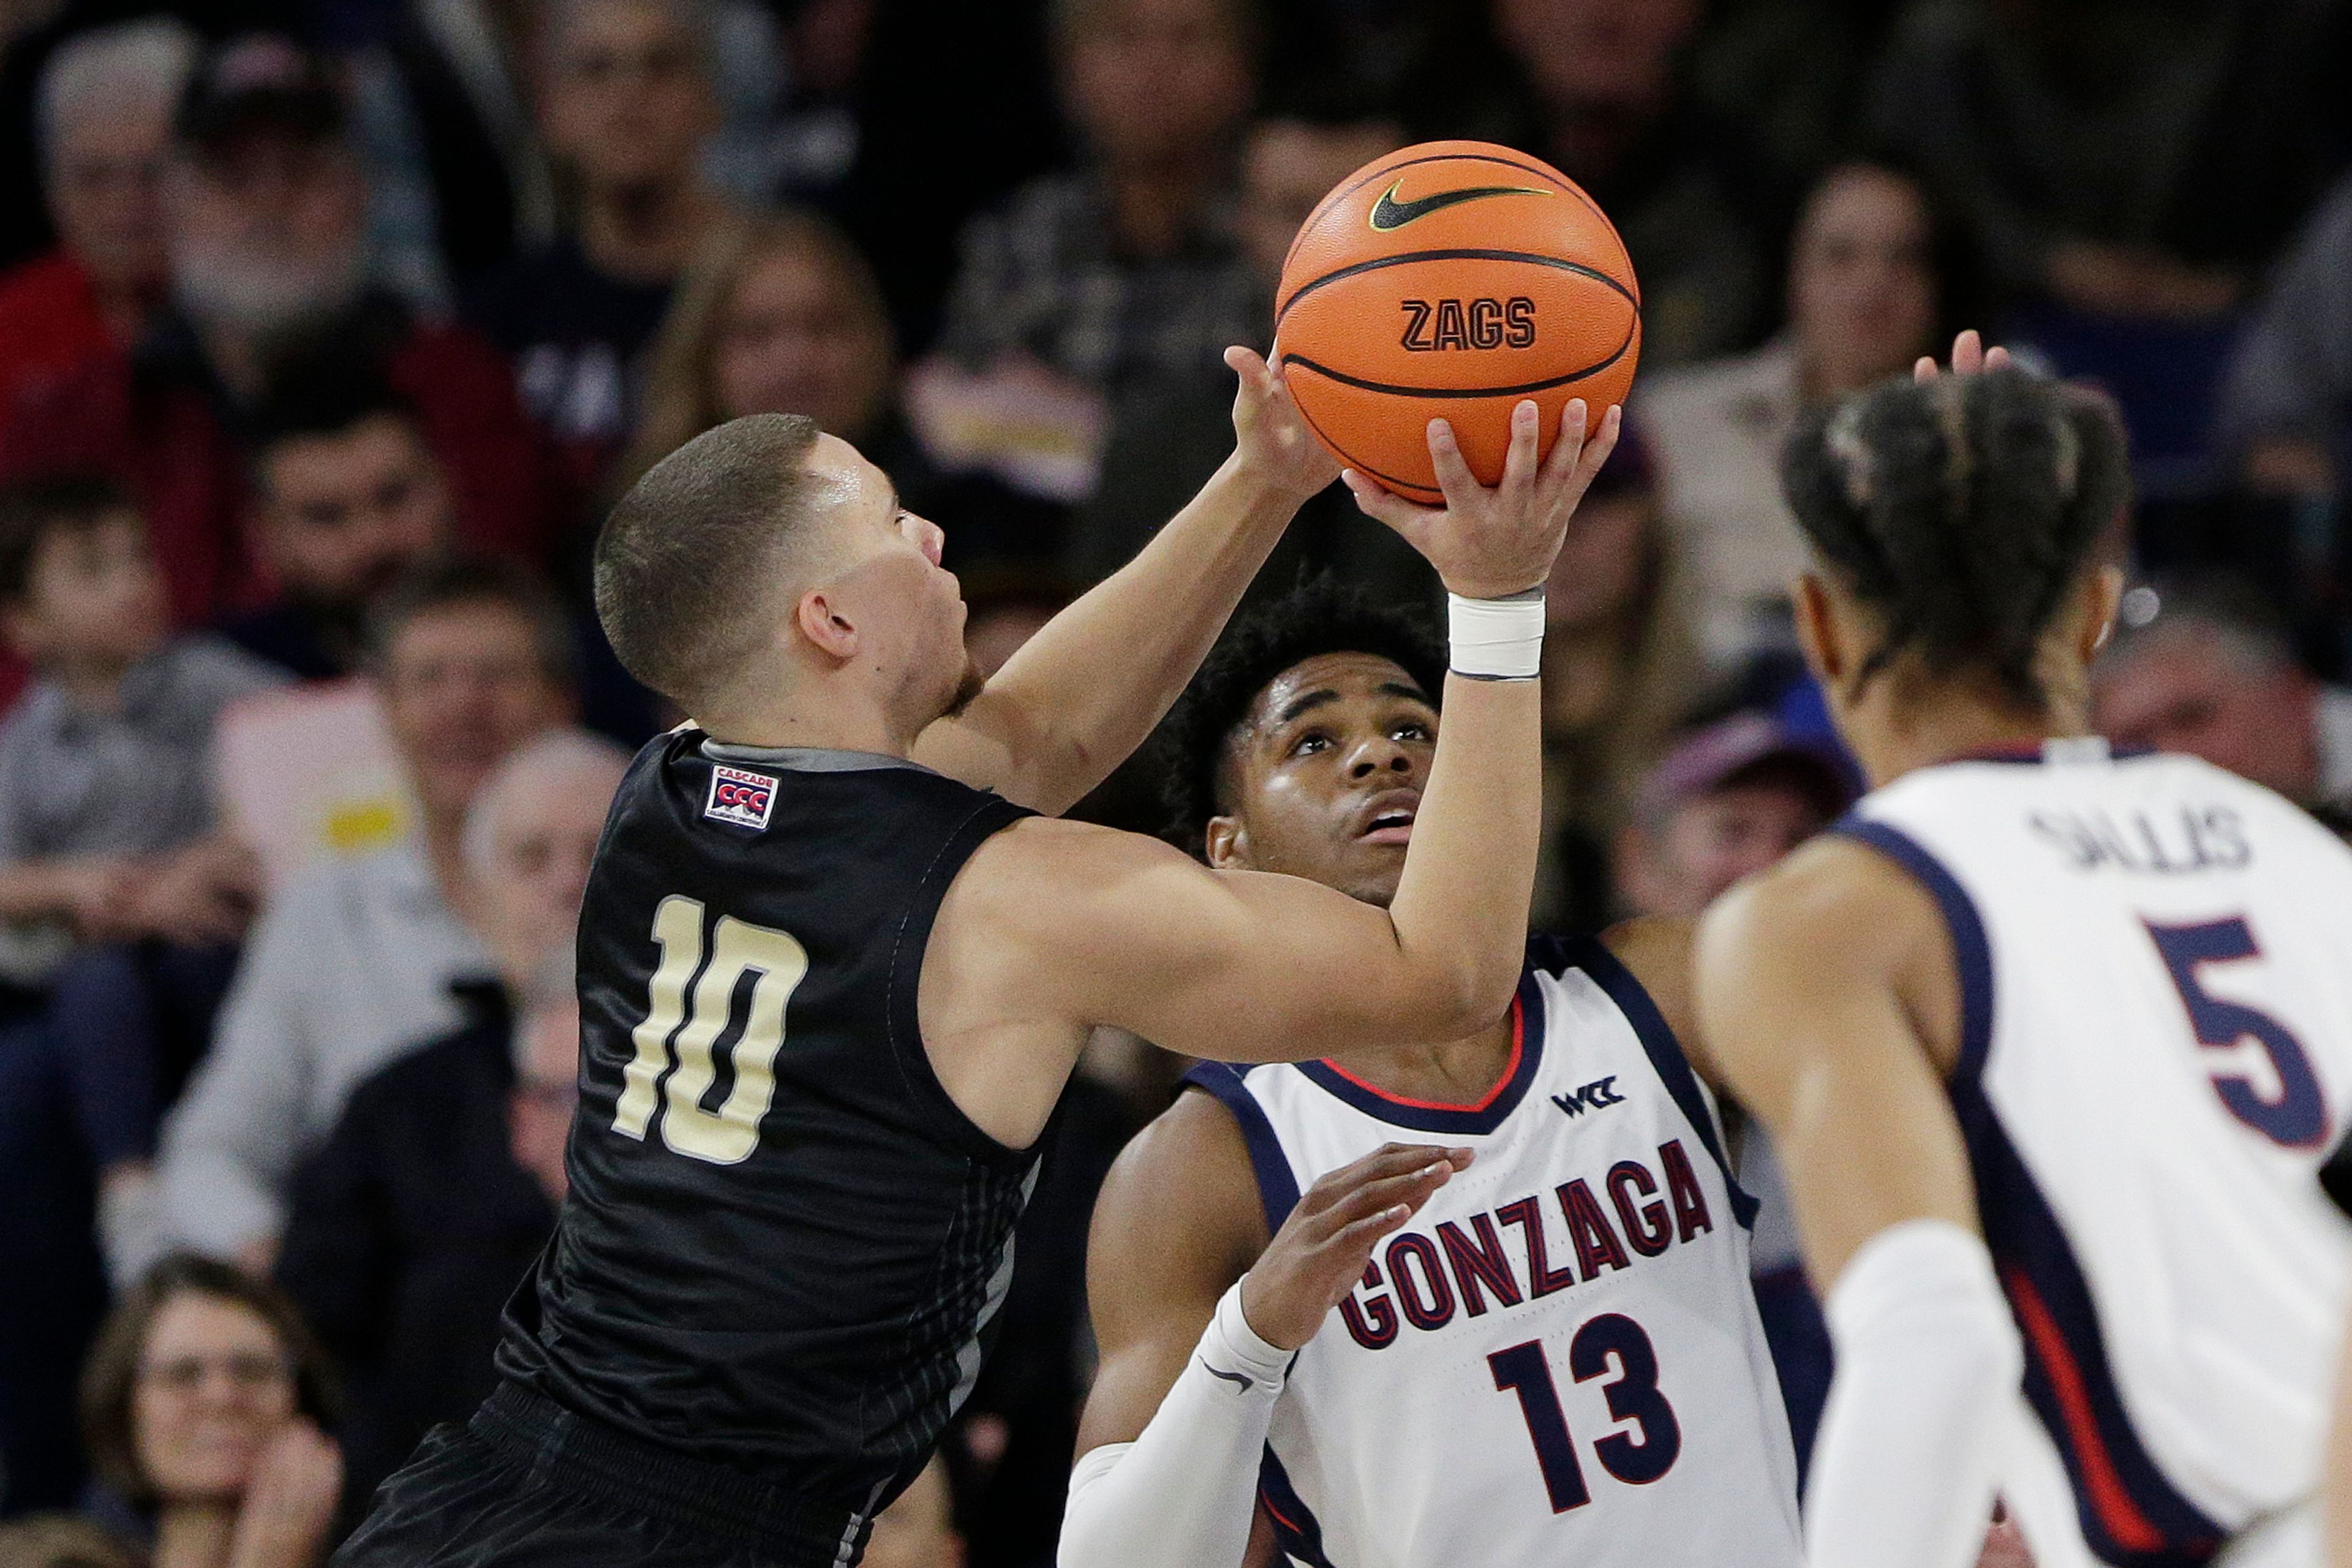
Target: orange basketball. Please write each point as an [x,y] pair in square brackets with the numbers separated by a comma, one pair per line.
[1452,279]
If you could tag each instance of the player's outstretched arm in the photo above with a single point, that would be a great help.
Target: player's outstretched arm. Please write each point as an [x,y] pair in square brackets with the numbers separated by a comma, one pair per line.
[1085,690]
[2337,1479]
[1827,995]
[1197,1316]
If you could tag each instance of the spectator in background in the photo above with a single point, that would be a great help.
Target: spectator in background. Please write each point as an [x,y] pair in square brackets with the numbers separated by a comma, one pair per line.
[264,204]
[104,124]
[1608,105]
[626,105]
[1729,800]
[346,495]
[104,797]
[351,963]
[2203,667]
[1129,264]
[783,317]
[202,1406]
[2284,408]
[408,1229]
[1169,433]
[1618,667]
[2125,158]
[1873,269]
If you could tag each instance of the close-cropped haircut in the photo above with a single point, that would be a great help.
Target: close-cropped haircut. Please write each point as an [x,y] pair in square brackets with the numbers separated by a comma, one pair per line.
[1961,510]
[33,510]
[454,582]
[109,1378]
[1321,615]
[686,563]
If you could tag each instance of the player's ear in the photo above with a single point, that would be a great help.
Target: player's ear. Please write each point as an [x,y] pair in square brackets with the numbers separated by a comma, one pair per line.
[1817,629]
[824,622]
[1225,843]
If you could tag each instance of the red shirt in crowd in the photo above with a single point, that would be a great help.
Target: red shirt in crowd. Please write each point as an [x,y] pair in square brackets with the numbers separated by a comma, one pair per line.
[49,324]
[157,420]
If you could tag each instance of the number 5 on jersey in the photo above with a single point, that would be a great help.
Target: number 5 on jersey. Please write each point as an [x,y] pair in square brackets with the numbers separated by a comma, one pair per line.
[725,1136]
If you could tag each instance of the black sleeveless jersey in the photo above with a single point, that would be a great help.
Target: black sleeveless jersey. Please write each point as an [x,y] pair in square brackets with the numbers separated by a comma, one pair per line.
[783,1244]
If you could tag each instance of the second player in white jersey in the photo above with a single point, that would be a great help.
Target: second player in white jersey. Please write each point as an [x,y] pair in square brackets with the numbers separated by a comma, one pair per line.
[1558,1359]
[2156,968]
[1512,1266]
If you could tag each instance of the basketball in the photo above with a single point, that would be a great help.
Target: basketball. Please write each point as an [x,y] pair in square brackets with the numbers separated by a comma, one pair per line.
[1452,279]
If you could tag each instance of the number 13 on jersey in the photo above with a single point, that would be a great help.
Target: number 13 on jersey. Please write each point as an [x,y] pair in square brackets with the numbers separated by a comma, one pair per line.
[778,963]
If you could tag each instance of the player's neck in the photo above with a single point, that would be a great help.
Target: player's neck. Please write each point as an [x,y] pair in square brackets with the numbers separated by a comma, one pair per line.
[812,716]
[1893,732]
[1459,1072]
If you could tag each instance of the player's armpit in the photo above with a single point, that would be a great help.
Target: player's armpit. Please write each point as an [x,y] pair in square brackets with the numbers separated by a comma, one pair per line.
[1826,999]
[1177,1221]
[1658,951]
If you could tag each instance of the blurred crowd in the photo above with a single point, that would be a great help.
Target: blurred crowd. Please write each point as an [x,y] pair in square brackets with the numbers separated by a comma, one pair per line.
[329,329]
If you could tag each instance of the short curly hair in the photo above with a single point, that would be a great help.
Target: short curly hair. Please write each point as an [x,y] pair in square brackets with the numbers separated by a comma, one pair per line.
[1320,616]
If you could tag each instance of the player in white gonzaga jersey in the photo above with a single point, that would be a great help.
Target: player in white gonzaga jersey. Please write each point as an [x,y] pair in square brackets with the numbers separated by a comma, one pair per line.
[2054,1043]
[1545,1348]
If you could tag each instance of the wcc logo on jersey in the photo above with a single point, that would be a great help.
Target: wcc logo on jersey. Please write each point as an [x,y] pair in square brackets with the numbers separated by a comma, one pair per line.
[742,798]
[1594,1096]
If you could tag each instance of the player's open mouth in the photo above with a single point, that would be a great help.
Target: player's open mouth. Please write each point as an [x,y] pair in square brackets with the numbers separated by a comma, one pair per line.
[1388,819]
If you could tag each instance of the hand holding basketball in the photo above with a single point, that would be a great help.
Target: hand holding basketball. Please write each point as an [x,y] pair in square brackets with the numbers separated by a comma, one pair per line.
[1269,434]
[1487,543]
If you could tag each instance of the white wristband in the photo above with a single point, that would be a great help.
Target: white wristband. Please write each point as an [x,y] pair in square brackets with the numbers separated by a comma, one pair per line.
[1497,639]
[1230,1345]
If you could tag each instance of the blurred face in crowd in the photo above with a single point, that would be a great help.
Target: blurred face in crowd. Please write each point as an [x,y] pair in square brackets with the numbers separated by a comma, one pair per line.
[215,1385]
[626,101]
[342,513]
[1605,563]
[540,815]
[1711,840]
[464,684]
[918,1530]
[1287,166]
[105,183]
[1325,776]
[546,1092]
[1598,55]
[1155,83]
[1861,285]
[94,599]
[794,337]
[2189,690]
[265,231]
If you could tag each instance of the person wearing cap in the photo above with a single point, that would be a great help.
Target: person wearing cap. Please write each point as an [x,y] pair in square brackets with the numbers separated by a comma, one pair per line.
[2205,668]
[103,122]
[264,208]
[1730,799]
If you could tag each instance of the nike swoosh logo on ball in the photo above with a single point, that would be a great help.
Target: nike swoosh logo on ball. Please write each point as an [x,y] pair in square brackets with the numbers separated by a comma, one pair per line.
[1389,213]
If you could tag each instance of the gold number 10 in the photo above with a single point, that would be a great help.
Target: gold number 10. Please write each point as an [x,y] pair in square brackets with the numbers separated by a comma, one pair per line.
[728,1135]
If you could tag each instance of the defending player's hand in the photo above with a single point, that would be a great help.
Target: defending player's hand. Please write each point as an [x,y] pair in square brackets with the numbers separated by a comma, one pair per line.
[1321,1249]
[1491,544]
[1969,357]
[1270,434]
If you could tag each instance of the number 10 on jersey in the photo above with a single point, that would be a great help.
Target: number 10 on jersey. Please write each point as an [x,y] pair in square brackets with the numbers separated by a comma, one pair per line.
[778,963]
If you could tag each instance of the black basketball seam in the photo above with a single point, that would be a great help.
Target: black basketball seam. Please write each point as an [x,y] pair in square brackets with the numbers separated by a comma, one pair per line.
[1341,376]
[1554,176]
[1360,468]
[1354,268]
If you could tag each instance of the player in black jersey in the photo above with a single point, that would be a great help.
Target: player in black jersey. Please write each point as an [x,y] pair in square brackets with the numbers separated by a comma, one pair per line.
[835,970]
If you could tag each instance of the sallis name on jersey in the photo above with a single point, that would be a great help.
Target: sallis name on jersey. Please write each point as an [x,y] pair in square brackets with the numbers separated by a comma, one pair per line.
[1424,1281]
[2160,844]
